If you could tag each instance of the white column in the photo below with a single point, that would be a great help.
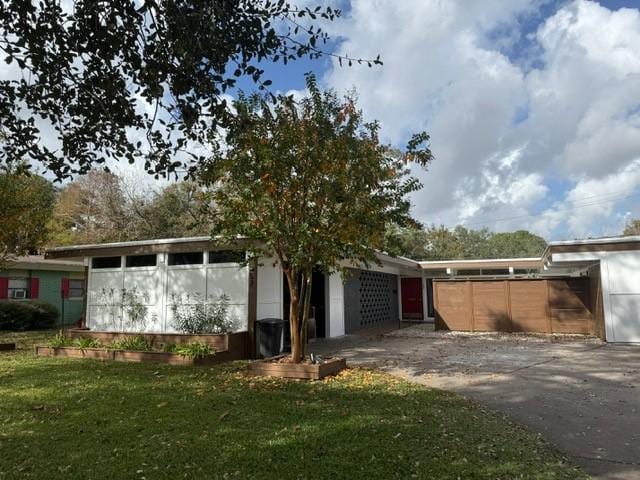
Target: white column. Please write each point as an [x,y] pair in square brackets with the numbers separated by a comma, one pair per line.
[270,290]
[336,305]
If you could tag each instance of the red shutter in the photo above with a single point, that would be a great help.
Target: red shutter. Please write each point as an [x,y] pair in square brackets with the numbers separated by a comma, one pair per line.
[65,288]
[34,287]
[4,287]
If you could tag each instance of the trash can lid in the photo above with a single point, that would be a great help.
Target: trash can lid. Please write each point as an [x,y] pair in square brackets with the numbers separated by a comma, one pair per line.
[270,320]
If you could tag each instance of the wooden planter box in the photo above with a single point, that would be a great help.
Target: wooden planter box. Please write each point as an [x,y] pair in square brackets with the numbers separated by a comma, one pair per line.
[75,352]
[125,355]
[7,346]
[233,346]
[162,357]
[271,368]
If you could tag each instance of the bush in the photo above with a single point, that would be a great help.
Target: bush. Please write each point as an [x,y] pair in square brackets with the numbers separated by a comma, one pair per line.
[192,350]
[83,342]
[60,340]
[24,315]
[47,315]
[137,342]
[192,316]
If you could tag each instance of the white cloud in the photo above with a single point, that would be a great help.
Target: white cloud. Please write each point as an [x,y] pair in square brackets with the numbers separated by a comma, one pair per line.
[506,136]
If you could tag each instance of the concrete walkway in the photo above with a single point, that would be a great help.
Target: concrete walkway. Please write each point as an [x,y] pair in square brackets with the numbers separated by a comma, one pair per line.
[582,395]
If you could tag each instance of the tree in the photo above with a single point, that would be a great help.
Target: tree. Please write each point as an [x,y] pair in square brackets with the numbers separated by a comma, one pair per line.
[441,243]
[91,209]
[632,228]
[178,210]
[310,184]
[516,244]
[132,81]
[26,202]
[104,207]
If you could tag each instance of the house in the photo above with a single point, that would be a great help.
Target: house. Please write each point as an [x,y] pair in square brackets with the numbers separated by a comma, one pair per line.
[583,286]
[157,274]
[58,282]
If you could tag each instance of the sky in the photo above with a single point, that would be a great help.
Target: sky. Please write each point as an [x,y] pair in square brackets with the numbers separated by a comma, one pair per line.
[533,106]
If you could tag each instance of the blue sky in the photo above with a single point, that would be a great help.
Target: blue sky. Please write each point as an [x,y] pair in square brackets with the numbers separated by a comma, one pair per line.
[532,105]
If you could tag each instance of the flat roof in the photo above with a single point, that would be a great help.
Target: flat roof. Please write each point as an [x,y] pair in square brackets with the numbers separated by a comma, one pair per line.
[169,245]
[526,262]
[161,245]
[39,262]
[603,244]
[597,241]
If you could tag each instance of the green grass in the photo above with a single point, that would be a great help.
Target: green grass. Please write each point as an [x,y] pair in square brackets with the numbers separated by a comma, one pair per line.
[78,419]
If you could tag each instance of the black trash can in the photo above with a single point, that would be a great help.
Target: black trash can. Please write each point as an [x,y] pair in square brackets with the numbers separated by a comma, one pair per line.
[269,337]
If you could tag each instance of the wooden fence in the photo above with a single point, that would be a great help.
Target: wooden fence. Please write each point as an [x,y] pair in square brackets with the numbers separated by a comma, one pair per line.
[558,305]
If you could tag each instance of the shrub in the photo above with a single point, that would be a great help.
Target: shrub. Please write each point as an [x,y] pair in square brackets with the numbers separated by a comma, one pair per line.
[192,316]
[24,315]
[192,350]
[60,340]
[83,342]
[46,314]
[136,342]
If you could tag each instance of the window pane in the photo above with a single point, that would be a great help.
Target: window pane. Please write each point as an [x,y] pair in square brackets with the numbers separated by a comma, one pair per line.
[18,288]
[467,273]
[226,256]
[189,258]
[18,283]
[496,271]
[141,260]
[106,262]
[76,288]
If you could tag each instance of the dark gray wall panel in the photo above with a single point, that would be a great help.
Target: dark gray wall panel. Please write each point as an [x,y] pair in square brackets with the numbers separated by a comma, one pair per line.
[370,300]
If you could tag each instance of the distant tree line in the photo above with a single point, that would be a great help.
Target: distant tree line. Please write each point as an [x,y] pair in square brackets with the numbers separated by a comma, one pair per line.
[441,243]
[97,207]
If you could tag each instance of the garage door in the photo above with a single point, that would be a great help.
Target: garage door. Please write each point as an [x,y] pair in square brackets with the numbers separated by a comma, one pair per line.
[551,306]
[370,300]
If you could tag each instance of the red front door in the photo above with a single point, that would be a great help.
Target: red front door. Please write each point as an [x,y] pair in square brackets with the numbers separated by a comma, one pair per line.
[412,298]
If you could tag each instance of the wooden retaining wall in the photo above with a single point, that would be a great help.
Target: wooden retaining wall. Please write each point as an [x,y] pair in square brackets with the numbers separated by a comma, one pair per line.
[555,305]
[232,346]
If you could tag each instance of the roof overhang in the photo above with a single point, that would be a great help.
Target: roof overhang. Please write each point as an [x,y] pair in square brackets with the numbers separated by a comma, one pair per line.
[38,262]
[520,263]
[165,245]
[587,250]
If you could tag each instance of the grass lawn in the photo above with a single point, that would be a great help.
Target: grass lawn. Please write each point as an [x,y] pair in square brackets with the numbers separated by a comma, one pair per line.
[83,419]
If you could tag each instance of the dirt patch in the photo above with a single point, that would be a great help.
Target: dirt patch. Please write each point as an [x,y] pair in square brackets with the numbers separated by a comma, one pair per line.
[427,331]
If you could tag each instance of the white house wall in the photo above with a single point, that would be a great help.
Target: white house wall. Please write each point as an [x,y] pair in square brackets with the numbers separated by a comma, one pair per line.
[623,309]
[620,278]
[270,290]
[158,288]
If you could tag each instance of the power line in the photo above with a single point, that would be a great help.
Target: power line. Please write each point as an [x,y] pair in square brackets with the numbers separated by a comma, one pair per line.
[575,207]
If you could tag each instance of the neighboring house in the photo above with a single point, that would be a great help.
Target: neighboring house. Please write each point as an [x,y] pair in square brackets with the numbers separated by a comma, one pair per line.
[58,282]
[590,286]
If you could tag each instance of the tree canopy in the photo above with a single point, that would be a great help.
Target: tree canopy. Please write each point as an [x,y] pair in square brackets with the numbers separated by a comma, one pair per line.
[104,207]
[632,228]
[441,243]
[310,184]
[126,80]
[26,202]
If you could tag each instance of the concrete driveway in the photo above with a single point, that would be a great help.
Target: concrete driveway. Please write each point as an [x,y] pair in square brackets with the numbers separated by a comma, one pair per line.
[582,395]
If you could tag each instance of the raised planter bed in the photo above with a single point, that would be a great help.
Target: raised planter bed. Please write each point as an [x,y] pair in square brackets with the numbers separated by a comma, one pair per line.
[230,346]
[7,346]
[126,355]
[75,352]
[273,367]
[163,357]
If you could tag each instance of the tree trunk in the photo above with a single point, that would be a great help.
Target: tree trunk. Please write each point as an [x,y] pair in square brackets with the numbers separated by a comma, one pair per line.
[294,318]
